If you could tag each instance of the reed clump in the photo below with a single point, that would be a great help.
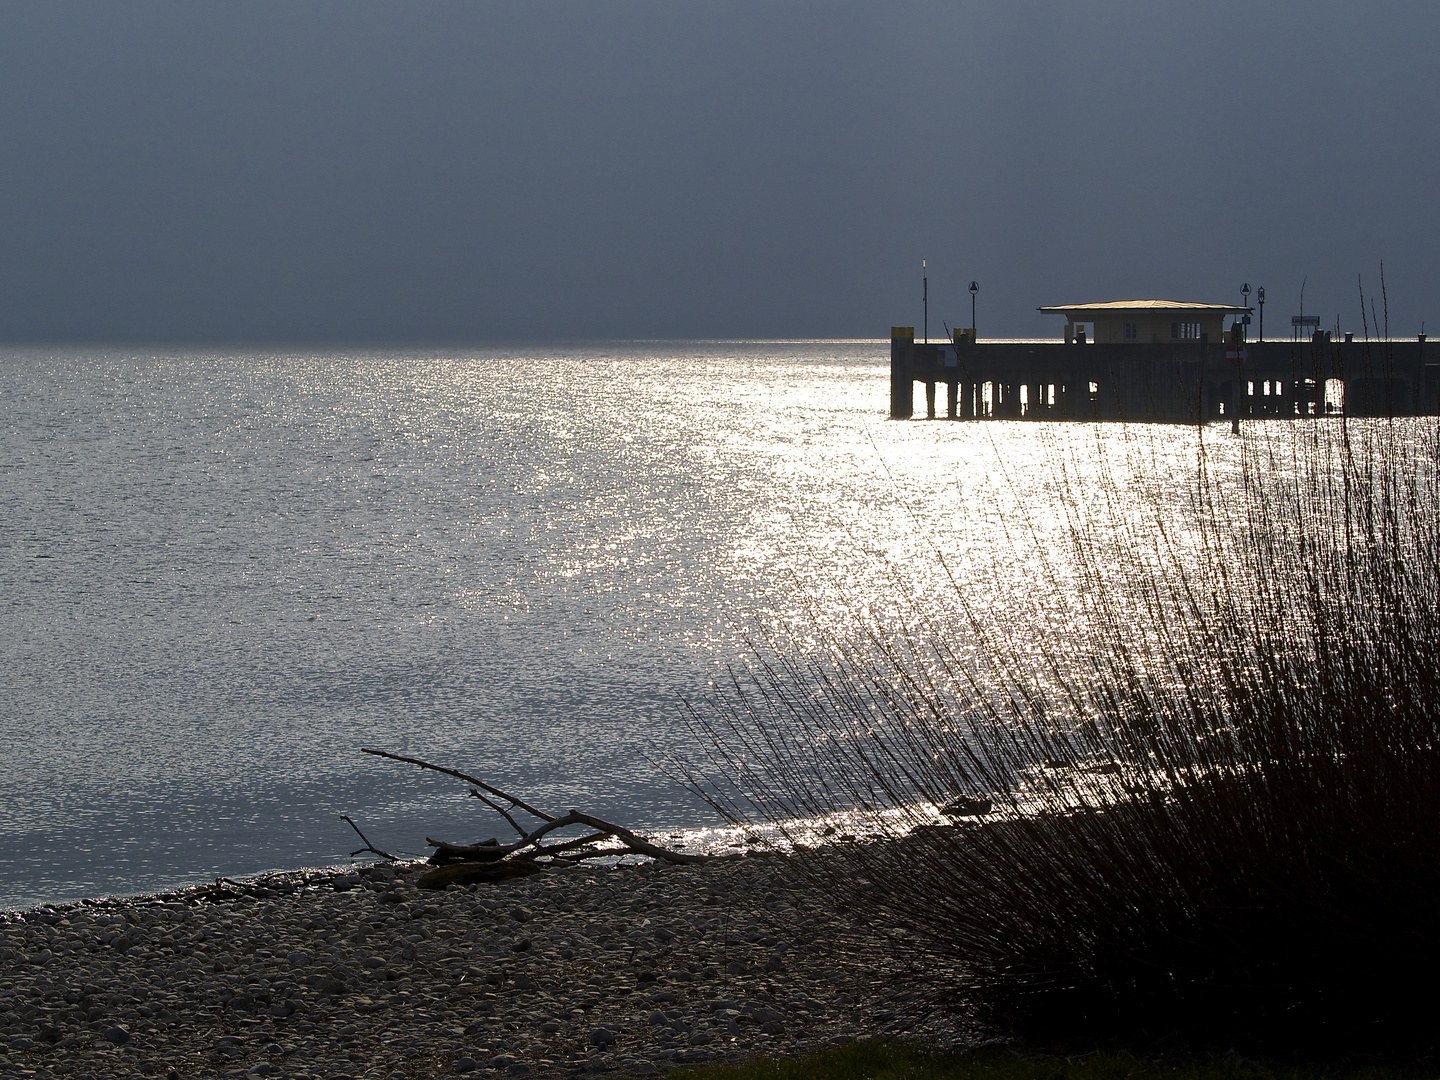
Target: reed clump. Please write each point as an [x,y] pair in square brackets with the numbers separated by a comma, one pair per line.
[1195,798]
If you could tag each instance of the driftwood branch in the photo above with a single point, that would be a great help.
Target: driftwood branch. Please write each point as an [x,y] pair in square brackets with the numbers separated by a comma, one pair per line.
[486,851]
[499,810]
[491,851]
[531,845]
[368,846]
[511,799]
[494,852]
[635,843]
[579,842]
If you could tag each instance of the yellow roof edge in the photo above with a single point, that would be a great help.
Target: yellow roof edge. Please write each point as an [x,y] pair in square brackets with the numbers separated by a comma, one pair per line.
[1145,305]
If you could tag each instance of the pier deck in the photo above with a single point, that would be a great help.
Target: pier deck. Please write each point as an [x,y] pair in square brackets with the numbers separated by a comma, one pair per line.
[1182,382]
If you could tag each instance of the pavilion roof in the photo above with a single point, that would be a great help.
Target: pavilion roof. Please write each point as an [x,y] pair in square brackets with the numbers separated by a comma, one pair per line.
[1146,305]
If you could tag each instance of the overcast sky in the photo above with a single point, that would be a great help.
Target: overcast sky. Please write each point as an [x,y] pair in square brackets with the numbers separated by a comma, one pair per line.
[470,170]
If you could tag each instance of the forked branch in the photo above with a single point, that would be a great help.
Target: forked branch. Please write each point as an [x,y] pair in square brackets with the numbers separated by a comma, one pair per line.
[531,846]
[368,846]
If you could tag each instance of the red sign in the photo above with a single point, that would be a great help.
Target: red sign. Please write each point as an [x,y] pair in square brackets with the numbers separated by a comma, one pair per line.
[1236,354]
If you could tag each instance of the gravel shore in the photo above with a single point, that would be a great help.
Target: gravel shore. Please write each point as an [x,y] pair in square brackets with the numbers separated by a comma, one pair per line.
[360,974]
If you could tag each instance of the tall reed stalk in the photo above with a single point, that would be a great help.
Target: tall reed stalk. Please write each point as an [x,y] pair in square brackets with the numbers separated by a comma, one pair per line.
[1213,762]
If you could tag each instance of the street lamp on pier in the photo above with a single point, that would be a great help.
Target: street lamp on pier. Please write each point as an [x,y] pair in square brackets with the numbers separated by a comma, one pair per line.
[925,297]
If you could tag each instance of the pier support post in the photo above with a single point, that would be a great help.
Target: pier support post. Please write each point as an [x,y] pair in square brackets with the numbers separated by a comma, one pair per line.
[1236,367]
[902,389]
[930,400]
[1419,403]
[954,400]
[962,388]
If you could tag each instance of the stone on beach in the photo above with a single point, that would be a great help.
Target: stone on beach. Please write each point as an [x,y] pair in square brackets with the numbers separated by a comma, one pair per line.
[362,974]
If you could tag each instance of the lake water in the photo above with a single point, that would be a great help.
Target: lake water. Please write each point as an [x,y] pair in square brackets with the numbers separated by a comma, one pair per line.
[222,572]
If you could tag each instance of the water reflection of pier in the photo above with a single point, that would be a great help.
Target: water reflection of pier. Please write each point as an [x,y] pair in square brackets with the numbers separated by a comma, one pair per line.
[1183,381]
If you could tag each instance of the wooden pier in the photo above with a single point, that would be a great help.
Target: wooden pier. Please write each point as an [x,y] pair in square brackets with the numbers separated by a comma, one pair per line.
[1178,382]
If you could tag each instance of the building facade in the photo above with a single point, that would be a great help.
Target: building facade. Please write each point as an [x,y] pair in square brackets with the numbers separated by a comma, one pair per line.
[1143,322]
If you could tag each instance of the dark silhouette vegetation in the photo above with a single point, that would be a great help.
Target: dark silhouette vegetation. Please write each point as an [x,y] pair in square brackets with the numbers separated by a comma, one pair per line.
[1194,801]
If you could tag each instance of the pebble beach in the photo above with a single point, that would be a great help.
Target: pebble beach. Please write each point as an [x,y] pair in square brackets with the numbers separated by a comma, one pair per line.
[626,970]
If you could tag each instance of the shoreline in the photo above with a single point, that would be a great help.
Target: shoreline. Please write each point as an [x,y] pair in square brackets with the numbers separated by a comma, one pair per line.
[332,974]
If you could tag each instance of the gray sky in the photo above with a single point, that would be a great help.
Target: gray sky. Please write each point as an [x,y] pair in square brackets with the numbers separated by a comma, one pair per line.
[470,170]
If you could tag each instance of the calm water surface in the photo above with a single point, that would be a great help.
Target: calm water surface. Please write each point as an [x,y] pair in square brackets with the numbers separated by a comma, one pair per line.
[222,572]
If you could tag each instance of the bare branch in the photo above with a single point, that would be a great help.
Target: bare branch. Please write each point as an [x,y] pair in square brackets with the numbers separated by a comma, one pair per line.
[368,846]
[568,845]
[494,852]
[635,843]
[529,846]
[511,799]
[580,856]
[489,851]
[499,810]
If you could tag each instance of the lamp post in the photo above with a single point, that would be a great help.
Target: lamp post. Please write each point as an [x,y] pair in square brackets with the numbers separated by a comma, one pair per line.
[1261,296]
[974,288]
[925,297]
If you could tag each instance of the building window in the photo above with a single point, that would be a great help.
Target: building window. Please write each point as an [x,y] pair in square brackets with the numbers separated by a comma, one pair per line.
[1132,331]
[1185,331]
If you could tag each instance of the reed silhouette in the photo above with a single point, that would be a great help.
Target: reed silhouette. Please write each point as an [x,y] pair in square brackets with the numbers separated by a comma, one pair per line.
[1193,796]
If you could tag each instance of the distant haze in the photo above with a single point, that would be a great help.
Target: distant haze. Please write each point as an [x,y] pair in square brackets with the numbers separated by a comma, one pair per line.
[471,170]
